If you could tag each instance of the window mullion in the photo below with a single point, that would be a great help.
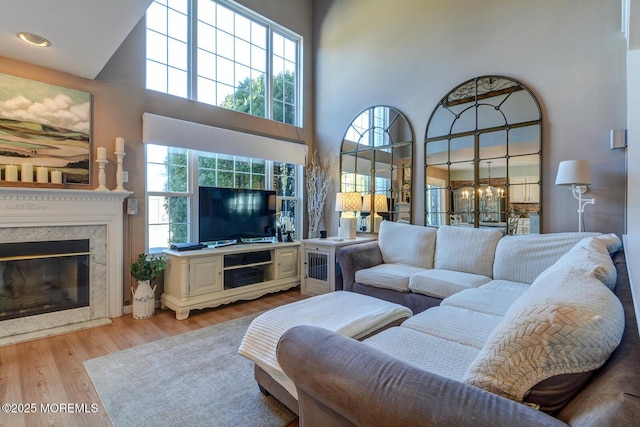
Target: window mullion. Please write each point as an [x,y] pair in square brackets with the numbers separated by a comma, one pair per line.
[268,170]
[268,102]
[193,174]
[192,60]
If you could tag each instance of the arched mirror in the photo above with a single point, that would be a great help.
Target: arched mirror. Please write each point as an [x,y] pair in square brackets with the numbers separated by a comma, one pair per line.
[483,149]
[375,161]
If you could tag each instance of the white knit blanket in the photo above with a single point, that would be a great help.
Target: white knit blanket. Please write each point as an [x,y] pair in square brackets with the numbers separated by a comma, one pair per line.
[346,313]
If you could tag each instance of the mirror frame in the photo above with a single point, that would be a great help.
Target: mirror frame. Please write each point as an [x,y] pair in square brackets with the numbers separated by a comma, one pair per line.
[395,150]
[473,110]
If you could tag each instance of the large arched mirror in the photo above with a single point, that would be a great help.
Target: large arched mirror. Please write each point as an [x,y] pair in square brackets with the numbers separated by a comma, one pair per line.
[375,161]
[483,148]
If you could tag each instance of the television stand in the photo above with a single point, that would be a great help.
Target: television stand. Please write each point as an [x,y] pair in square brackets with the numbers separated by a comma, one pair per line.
[214,276]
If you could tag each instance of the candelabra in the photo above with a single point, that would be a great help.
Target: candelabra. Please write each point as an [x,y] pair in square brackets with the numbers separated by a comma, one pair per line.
[119,179]
[102,177]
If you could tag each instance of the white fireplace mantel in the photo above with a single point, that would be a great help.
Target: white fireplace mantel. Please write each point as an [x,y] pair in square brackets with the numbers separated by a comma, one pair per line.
[31,209]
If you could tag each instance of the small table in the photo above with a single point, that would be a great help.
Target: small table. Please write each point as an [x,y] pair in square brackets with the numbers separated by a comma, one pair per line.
[320,272]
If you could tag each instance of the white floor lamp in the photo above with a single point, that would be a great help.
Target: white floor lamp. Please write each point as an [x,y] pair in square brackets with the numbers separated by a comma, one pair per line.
[577,174]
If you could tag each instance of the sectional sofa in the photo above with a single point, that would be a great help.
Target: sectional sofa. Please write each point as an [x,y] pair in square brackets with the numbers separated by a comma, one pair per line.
[420,266]
[530,333]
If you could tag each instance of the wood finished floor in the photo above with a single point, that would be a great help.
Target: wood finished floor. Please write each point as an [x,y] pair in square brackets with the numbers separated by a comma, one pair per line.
[50,370]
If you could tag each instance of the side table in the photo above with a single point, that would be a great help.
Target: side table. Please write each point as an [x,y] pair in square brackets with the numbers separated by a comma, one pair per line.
[320,271]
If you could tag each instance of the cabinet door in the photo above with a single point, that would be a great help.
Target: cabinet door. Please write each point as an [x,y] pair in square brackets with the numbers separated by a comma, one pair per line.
[317,272]
[286,263]
[205,275]
[534,190]
[518,190]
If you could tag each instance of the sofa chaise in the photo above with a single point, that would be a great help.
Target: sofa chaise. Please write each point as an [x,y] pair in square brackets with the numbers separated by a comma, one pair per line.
[560,349]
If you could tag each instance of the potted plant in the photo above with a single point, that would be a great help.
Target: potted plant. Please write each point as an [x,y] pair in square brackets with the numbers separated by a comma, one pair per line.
[146,268]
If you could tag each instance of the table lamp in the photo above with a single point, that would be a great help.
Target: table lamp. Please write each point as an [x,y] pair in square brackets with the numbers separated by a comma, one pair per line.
[347,204]
[577,174]
[379,205]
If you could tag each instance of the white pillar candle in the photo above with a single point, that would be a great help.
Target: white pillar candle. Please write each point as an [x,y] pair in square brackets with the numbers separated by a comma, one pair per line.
[119,145]
[56,177]
[102,153]
[11,173]
[27,172]
[42,175]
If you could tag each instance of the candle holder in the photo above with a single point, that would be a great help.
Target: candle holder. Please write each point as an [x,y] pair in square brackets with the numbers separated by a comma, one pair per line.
[102,177]
[119,181]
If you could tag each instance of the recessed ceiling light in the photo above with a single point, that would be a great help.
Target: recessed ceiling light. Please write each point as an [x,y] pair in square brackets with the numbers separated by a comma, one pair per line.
[34,39]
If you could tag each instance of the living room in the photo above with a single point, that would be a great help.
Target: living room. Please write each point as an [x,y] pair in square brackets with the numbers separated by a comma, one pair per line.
[408,55]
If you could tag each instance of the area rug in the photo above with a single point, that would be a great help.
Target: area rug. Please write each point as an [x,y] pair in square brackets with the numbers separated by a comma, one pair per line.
[193,379]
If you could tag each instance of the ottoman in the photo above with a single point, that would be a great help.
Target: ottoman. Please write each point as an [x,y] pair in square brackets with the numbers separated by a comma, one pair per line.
[347,313]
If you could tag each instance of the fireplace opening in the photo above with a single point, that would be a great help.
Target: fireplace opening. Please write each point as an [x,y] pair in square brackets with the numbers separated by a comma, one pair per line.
[43,277]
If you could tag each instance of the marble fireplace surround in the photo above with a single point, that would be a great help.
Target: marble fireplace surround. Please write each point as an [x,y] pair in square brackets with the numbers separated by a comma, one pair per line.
[44,214]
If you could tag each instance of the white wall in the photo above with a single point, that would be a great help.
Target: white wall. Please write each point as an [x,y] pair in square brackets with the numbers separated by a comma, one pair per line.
[633,124]
[409,54]
[633,139]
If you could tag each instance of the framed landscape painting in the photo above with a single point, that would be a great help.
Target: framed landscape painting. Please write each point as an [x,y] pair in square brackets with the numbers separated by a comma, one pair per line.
[44,125]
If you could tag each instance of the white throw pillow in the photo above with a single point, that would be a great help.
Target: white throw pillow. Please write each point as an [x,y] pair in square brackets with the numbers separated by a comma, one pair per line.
[611,241]
[566,323]
[470,250]
[590,254]
[407,244]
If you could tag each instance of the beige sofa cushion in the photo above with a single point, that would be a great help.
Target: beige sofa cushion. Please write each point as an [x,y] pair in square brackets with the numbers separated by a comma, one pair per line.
[407,244]
[567,323]
[437,355]
[443,283]
[482,300]
[388,276]
[506,286]
[470,250]
[460,325]
[539,250]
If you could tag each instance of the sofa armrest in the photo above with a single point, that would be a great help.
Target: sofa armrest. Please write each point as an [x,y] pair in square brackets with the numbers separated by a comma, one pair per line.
[357,257]
[343,382]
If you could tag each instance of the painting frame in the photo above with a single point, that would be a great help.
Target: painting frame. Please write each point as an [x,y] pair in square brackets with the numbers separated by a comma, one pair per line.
[45,126]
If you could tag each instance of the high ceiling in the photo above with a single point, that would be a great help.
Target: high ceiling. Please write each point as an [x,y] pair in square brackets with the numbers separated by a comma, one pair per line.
[84,34]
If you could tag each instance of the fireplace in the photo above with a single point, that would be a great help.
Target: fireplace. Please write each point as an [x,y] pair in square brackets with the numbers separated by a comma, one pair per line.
[43,277]
[60,260]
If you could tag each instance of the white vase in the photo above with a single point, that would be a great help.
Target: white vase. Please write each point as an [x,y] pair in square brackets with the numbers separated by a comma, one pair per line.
[144,300]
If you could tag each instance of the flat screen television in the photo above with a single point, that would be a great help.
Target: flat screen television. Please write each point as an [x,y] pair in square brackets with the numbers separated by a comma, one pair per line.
[227,214]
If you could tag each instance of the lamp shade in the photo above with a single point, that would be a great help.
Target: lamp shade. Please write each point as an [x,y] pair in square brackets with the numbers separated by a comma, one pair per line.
[379,203]
[348,202]
[574,172]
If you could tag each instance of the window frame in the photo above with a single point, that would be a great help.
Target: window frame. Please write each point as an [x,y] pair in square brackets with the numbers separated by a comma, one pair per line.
[192,200]
[192,74]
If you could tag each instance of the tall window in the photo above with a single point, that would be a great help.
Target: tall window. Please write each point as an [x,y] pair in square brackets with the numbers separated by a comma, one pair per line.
[220,53]
[174,174]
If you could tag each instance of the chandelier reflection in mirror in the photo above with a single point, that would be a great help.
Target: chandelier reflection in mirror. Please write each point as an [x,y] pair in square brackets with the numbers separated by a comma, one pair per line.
[491,200]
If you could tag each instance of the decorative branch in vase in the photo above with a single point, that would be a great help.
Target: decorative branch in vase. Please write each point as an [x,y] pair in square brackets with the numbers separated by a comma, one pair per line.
[318,178]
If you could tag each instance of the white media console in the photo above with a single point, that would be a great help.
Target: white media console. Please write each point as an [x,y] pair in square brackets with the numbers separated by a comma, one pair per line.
[211,277]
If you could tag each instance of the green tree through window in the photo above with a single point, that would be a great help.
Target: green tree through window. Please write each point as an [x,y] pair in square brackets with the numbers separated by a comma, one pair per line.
[250,97]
